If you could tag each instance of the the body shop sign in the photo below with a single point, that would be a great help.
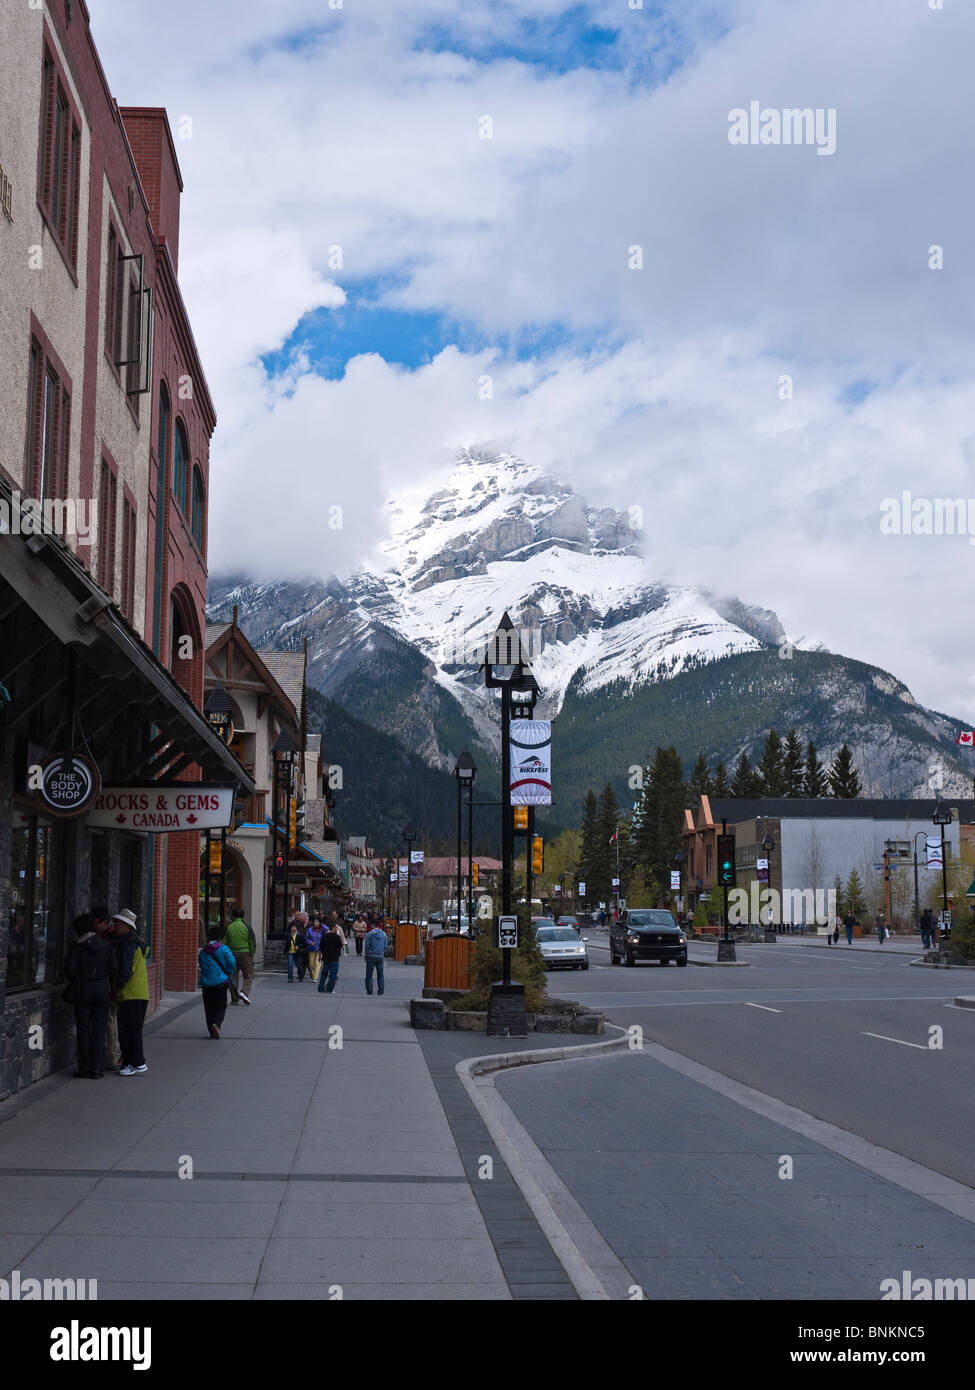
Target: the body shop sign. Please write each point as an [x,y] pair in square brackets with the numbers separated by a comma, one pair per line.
[181,807]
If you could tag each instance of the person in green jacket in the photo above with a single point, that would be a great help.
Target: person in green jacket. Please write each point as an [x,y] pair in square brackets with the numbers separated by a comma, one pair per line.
[132,991]
[241,942]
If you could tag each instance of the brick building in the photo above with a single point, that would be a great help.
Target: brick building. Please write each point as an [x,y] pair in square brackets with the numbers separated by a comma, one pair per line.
[105,428]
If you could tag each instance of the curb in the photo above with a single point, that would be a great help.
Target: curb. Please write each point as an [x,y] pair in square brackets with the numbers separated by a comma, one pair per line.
[731,963]
[593,1269]
[965,1001]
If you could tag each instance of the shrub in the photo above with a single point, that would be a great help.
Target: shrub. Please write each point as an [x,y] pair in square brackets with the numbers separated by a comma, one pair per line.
[487,966]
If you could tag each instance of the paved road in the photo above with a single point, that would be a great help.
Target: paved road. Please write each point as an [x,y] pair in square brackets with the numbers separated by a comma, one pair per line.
[795,1025]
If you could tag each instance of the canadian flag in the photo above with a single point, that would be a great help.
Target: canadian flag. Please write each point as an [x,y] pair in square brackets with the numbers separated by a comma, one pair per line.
[615,836]
[966,738]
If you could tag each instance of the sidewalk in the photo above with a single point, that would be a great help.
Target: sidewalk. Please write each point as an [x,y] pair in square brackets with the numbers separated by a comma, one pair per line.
[315,1167]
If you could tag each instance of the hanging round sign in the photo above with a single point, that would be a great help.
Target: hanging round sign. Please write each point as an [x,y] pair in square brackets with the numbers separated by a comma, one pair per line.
[69,783]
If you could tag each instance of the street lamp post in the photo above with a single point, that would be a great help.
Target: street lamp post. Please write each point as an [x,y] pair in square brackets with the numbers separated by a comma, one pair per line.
[389,887]
[409,835]
[917,912]
[506,1010]
[284,754]
[464,772]
[768,845]
[218,711]
[942,817]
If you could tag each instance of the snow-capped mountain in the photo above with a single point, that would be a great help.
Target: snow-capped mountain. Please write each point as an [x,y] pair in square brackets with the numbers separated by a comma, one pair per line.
[398,643]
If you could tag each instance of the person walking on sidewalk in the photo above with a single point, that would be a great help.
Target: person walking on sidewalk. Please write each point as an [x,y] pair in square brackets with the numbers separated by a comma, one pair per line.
[313,940]
[374,945]
[880,927]
[103,926]
[331,951]
[242,945]
[132,992]
[90,969]
[927,928]
[299,922]
[359,932]
[295,945]
[849,922]
[218,966]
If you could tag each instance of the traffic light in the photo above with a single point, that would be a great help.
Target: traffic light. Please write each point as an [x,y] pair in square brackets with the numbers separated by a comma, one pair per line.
[292,822]
[216,861]
[726,861]
[279,869]
[474,874]
[538,855]
[521,817]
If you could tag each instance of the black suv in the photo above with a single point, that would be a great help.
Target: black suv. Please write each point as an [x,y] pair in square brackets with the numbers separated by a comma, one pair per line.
[647,933]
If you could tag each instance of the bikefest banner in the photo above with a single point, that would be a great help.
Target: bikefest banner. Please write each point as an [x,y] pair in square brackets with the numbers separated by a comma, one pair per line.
[531,762]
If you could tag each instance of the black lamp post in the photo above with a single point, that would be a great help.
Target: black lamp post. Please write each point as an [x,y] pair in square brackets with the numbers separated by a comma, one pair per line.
[389,889]
[409,835]
[284,752]
[506,1011]
[464,772]
[943,816]
[768,844]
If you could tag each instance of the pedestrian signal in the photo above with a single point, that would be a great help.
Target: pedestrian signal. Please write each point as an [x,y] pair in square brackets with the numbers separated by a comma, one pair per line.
[521,817]
[279,869]
[726,861]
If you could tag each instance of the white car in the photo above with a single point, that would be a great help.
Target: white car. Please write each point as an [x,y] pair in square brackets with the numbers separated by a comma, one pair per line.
[561,946]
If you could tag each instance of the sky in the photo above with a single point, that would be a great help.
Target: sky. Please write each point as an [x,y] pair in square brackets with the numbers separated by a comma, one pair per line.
[758,343]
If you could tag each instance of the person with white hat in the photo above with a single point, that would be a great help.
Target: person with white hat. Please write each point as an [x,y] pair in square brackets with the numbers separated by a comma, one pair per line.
[132,992]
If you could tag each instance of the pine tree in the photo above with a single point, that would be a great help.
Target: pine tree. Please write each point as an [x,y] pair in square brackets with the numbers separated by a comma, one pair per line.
[770,766]
[840,892]
[792,769]
[746,782]
[844,781]
[856,901]
[588,837]
[816,781]
[661,816]
[720,786]
[700,780]
[603,866]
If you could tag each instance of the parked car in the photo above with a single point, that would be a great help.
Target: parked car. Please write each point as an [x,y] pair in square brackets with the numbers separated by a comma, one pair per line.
[567,920]
[647,933]
[561,946]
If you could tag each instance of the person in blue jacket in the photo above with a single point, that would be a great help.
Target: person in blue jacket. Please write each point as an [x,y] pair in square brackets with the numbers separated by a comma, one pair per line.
[217,968]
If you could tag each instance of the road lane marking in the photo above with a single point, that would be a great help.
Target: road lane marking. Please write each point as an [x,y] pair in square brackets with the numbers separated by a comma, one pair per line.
[884,1038]
[766,1007]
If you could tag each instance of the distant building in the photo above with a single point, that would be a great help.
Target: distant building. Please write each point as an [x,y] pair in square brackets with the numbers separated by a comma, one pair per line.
[817,840]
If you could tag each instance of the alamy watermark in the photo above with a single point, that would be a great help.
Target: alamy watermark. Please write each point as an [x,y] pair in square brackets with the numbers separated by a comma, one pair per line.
[18,1290]
[754,905]
[908,515]
[792,125]
[926,1290]
[58,516]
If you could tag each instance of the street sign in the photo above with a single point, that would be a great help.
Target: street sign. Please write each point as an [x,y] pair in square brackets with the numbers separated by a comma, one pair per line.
[506,933]
[581,888]
[879,868]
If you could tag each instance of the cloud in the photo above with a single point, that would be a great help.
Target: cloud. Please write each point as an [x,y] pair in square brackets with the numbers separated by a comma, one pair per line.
[317,128]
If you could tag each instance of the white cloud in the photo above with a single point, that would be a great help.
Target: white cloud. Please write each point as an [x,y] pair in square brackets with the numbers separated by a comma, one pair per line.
[757,262]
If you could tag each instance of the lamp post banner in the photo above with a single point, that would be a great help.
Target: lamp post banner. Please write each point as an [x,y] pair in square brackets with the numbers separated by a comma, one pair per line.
[416,863]
[934,850]
[530,779]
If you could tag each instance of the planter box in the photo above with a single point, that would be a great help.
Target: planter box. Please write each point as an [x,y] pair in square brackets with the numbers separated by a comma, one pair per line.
[428,1013]
[469,1023]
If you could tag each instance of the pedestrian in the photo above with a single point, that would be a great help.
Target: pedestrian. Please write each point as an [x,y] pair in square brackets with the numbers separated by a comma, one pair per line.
[849,922]
[294,952]
[132,992]
[880,928]
[91,969]
[359,932]
[927,928]
[313,940]
[103,926]
[300,922]
[331,951]
[241,943]
[218,968]
[374,946]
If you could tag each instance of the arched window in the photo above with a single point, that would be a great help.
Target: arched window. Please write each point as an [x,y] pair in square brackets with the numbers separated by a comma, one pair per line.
[181,466]
[163,448]
[198,504]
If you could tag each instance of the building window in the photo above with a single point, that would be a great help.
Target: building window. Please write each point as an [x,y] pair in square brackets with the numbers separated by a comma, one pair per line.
[198,504]
[128,559]
[181,464]
[59,176]
[48,427]
[163,459]
[107,511]
[34,946]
